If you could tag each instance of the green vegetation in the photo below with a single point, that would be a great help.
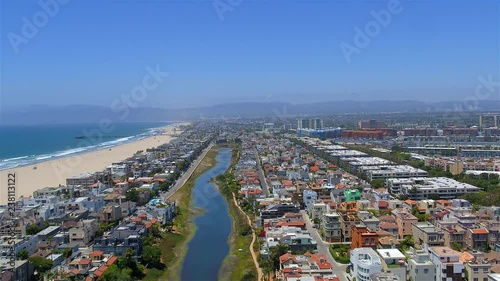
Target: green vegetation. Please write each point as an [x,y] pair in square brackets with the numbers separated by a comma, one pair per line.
[378,183]
[238,265]
[126,268]
[67,253]
[22,255]
[490,193]
[151,255]
[33,229]
[173,241]
[407,242]
[490,184]
[457,246]
[339,253]
[272,264]
[420,217]
[41,266]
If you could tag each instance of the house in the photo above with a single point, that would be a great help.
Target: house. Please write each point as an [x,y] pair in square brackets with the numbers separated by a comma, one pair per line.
[476,239]
[404,220]
[363,237]
[420,266]
[330,224]
[302,266]
[393,261]
[426,233]
[447,262]
[84,232]
[365,262]
[111,213]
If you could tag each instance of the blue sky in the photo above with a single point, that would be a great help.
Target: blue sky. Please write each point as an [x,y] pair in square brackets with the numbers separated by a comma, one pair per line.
[95,51]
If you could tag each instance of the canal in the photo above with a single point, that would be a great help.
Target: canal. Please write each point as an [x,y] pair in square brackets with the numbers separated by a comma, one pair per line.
[209,246]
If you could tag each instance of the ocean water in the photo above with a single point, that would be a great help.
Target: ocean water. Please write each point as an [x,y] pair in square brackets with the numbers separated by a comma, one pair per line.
[27,144]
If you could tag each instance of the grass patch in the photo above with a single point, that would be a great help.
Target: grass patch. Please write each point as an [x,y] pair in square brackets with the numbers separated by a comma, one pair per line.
[173,244]
[238,262]
[339,253]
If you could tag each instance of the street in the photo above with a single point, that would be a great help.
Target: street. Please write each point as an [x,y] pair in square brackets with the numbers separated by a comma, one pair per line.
[262,177]
[323,248]
[185,176]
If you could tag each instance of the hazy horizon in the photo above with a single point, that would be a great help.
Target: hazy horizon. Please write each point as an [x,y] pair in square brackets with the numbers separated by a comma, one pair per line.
[203,53]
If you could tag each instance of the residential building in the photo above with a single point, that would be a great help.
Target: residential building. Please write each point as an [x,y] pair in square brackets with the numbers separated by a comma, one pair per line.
[404,220]
[393,261]
[85,179]
[426,233]
[295,237]
[83,233]
[365,262]
[118,246]
[476,239]
[352,195]
[448,264]
[111,213]
[302,266]
[21,270]
[442,187]
[332,230]
[420,266]
[477,270]
[362,237]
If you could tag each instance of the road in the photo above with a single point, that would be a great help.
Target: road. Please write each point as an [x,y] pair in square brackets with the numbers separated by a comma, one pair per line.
[323,248]
[262,177]
[185,176]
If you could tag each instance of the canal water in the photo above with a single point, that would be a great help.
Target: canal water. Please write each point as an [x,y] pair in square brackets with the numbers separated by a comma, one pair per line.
[209,246]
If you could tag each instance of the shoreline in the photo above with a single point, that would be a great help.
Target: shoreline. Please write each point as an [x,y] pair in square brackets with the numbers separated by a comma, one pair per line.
[54,172]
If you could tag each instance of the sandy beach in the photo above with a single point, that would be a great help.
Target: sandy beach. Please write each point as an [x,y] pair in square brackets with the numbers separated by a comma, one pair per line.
[54,172]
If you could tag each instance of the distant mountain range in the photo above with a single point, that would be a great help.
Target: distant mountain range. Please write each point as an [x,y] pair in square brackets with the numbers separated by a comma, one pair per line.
[91,113]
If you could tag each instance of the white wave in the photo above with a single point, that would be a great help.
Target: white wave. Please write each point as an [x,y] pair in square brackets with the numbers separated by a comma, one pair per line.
[14,159]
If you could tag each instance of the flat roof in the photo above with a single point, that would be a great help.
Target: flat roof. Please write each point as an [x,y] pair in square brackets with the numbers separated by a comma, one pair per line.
[391,253]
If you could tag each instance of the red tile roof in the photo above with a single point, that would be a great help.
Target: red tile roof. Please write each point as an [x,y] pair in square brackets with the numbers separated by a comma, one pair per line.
[85,261]
[96,253]
[479,231]
[286,257]
[111,261]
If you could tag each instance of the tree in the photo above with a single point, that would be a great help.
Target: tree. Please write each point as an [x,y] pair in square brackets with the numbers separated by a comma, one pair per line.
[22,255]
[113,273]
[132,195]
[33,229]
[457,246]
[249,276]
[41,265]
[151,255]
[407,242]
[378,183]
[275,253]
[67,253]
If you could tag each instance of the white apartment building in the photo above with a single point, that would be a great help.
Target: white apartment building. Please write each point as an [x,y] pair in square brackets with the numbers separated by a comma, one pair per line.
[419,188]
[365,261]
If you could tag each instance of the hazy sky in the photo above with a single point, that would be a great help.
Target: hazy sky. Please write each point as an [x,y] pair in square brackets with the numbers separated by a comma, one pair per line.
[97,51]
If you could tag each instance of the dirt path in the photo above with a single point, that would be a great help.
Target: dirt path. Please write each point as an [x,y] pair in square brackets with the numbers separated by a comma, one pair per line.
[254,237]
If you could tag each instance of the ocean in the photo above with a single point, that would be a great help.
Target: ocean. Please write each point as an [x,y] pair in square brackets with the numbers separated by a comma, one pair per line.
[22,145]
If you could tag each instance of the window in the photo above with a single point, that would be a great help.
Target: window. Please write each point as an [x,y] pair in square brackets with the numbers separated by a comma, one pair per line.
[476,279]
[426,270]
